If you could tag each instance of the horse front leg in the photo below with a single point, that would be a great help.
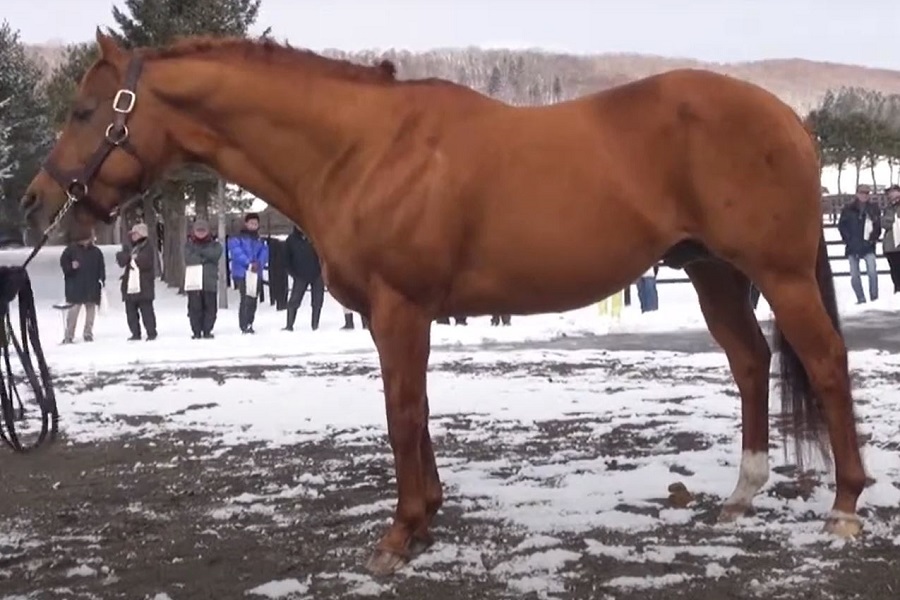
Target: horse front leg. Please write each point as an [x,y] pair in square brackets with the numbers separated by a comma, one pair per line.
[401,332]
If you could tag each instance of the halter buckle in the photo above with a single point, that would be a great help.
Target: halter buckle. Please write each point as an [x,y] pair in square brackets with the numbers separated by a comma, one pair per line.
[124,95]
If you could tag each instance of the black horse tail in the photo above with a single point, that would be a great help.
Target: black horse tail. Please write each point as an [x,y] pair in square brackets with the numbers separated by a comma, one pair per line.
[802,417]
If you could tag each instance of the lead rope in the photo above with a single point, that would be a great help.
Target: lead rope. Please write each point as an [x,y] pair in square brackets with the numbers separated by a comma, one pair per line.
[15,284]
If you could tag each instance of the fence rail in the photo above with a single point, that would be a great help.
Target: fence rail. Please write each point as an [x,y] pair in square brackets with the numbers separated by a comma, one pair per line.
[840,266]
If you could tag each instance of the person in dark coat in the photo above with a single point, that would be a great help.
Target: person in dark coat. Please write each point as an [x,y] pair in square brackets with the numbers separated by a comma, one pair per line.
[277,280]
[860,228]
[138,281]
[348,320]
[497,319]
[84,274]
[248,252]
[890,244]
[203,252]
[305,269]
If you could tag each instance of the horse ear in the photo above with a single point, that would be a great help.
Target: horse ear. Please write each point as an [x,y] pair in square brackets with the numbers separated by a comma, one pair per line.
[110,51]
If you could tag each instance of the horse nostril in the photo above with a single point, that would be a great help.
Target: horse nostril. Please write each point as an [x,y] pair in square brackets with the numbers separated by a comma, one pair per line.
[29,204]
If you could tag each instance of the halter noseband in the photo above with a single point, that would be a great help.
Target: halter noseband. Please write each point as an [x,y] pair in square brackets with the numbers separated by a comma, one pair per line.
[76,182]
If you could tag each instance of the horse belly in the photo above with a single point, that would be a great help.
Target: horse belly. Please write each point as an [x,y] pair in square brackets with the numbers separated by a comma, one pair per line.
[549,272]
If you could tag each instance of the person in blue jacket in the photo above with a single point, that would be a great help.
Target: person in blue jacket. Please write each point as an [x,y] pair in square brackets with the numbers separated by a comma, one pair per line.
[248,252]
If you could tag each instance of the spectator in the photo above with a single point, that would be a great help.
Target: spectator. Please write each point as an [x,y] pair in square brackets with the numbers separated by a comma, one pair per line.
[646,289]
[84,274]
[497,319]
[458,320]
[860,227]
[201,279]
[249,255]
[754,295]
[891,242]
[306,271]
[348,320]
[138,260]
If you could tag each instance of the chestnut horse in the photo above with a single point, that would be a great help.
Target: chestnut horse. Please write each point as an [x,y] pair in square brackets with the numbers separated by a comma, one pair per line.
[428,199]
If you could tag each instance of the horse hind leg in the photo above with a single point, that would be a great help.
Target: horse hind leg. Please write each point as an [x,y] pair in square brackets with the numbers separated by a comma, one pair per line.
[724,296]
[815,380]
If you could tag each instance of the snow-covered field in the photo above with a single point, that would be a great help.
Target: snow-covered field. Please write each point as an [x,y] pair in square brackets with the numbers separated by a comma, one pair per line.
[258,466]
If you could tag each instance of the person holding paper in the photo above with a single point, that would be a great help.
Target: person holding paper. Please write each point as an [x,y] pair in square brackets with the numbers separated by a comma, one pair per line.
[201,279]
[249,257]
[860,228]
[138,283]
[84,272]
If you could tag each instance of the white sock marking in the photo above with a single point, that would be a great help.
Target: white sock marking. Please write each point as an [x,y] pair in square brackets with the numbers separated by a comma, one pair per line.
[753,476]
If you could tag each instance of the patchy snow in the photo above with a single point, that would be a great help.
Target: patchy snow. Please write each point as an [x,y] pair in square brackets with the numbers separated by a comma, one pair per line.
[676,413]
[284,588]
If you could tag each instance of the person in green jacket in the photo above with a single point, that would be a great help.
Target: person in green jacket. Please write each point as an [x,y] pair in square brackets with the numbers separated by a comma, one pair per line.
[201,279]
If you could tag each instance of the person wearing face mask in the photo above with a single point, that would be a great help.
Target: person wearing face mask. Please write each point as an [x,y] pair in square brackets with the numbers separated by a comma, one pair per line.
[201,279]
[890,220]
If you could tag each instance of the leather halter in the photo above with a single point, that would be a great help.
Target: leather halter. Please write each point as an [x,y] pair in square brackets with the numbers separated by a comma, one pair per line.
[76,182]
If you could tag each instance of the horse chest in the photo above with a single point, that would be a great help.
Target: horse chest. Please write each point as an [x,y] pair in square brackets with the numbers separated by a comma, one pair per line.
[346,289]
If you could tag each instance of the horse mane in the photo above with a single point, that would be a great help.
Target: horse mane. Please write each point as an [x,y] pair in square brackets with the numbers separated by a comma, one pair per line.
[272,52]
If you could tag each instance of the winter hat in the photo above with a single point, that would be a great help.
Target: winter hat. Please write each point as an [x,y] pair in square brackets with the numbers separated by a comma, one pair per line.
[140,229]
[251,217]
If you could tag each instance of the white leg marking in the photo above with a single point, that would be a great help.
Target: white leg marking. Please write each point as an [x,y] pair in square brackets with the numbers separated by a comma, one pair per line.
[839,515]
[754,475]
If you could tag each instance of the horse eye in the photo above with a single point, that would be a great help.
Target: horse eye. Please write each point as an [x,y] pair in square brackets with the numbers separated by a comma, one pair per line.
[81,113]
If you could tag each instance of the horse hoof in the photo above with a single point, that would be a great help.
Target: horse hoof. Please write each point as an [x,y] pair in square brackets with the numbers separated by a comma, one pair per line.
[731,513]
[383,563]
[843,525]
[420,544]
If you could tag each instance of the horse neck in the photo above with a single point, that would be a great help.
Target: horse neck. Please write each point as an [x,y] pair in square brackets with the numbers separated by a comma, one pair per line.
[275,133]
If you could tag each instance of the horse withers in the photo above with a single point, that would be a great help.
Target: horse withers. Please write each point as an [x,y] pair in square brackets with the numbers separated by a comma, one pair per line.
[427,199]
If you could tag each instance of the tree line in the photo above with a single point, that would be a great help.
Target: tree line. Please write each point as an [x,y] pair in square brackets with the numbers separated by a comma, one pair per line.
[858,128]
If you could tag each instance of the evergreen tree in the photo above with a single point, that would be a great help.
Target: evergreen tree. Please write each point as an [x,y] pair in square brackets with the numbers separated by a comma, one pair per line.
[159,22]
[62,84]
[7,160]
[27,135]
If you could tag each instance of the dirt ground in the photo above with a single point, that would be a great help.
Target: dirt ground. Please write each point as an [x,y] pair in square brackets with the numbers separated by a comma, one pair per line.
[139,518]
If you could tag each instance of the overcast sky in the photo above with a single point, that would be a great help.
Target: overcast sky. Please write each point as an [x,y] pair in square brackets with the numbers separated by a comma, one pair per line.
[853,32]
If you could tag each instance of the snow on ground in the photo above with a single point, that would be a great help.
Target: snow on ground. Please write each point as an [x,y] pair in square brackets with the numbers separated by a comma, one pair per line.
[670,417]
[676,414]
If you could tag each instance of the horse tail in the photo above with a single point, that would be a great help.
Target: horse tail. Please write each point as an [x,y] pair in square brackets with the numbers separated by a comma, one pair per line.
[801,411]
